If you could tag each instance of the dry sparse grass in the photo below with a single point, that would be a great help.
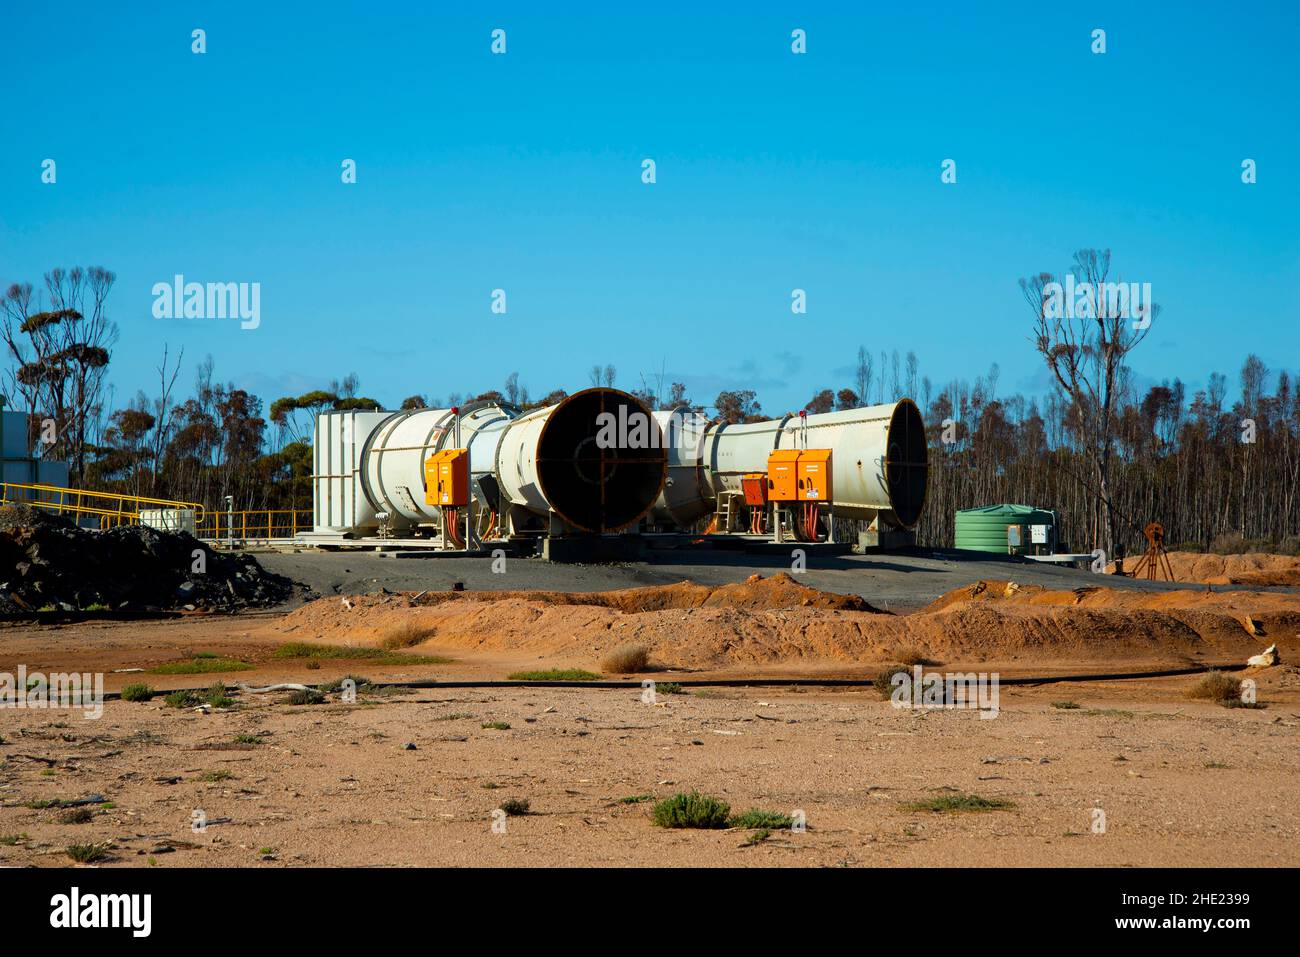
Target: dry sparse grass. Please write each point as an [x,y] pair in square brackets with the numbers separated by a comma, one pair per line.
[89,853]
[884,681]
[376,656]
[910,655]
[959,803]
[626,660]
[201,664]
[1215,686]
[408,634]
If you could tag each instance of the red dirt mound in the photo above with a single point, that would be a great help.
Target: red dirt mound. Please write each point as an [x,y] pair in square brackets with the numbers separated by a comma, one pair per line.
[1253,569]
[777,622]
[756,592]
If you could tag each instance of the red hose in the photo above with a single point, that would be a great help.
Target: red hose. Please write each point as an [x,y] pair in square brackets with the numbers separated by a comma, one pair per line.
[807,525]
[450,522]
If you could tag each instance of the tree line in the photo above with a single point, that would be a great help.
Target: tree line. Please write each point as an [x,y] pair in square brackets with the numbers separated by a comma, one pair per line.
[1106,455]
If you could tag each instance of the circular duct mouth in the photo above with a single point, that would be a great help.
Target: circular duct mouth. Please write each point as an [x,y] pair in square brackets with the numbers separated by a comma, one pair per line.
[906,463]
[600,461]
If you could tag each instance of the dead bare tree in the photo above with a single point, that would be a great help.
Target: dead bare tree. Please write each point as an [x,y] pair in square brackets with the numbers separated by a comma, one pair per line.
[1084,330]
[865,374]
[164,412]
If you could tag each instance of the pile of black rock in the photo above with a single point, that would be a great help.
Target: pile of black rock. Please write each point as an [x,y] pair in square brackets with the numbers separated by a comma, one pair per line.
[47,563]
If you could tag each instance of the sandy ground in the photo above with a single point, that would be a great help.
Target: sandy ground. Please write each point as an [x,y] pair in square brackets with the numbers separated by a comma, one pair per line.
[1180,783]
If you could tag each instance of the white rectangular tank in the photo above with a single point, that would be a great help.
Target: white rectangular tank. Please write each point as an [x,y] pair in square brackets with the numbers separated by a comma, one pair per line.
[169,519]
[339,503]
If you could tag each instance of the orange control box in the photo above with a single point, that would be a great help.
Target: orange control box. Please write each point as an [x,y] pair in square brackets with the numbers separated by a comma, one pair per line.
[782,475]
[446,478]
[754,485]
[815,475]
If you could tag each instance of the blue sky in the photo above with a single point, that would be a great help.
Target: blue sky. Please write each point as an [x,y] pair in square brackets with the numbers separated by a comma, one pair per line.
[775,172]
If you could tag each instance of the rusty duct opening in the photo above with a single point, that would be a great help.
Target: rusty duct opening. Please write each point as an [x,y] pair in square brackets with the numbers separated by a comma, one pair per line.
[592,483]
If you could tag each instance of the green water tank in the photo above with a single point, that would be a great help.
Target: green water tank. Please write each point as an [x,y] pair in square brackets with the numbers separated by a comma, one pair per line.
[985,529]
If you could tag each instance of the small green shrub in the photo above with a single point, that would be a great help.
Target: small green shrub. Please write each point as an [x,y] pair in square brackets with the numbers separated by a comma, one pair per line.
[201,664]
[692,810]
[957,803]
[378,656]
[216,697]
[89,853]
[772,820]
[138,692]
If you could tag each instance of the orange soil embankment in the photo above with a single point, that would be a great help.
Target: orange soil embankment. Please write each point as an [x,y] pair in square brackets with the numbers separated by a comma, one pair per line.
[1254,568]
[776,622]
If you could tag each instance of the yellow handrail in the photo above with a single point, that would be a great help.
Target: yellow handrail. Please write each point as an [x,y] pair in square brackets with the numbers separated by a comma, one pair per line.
[110,507]
[255,524]
[120,508]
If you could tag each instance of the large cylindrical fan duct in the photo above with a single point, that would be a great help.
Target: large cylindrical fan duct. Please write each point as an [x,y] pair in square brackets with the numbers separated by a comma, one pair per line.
[594,478]
[878,460]
[552,464]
